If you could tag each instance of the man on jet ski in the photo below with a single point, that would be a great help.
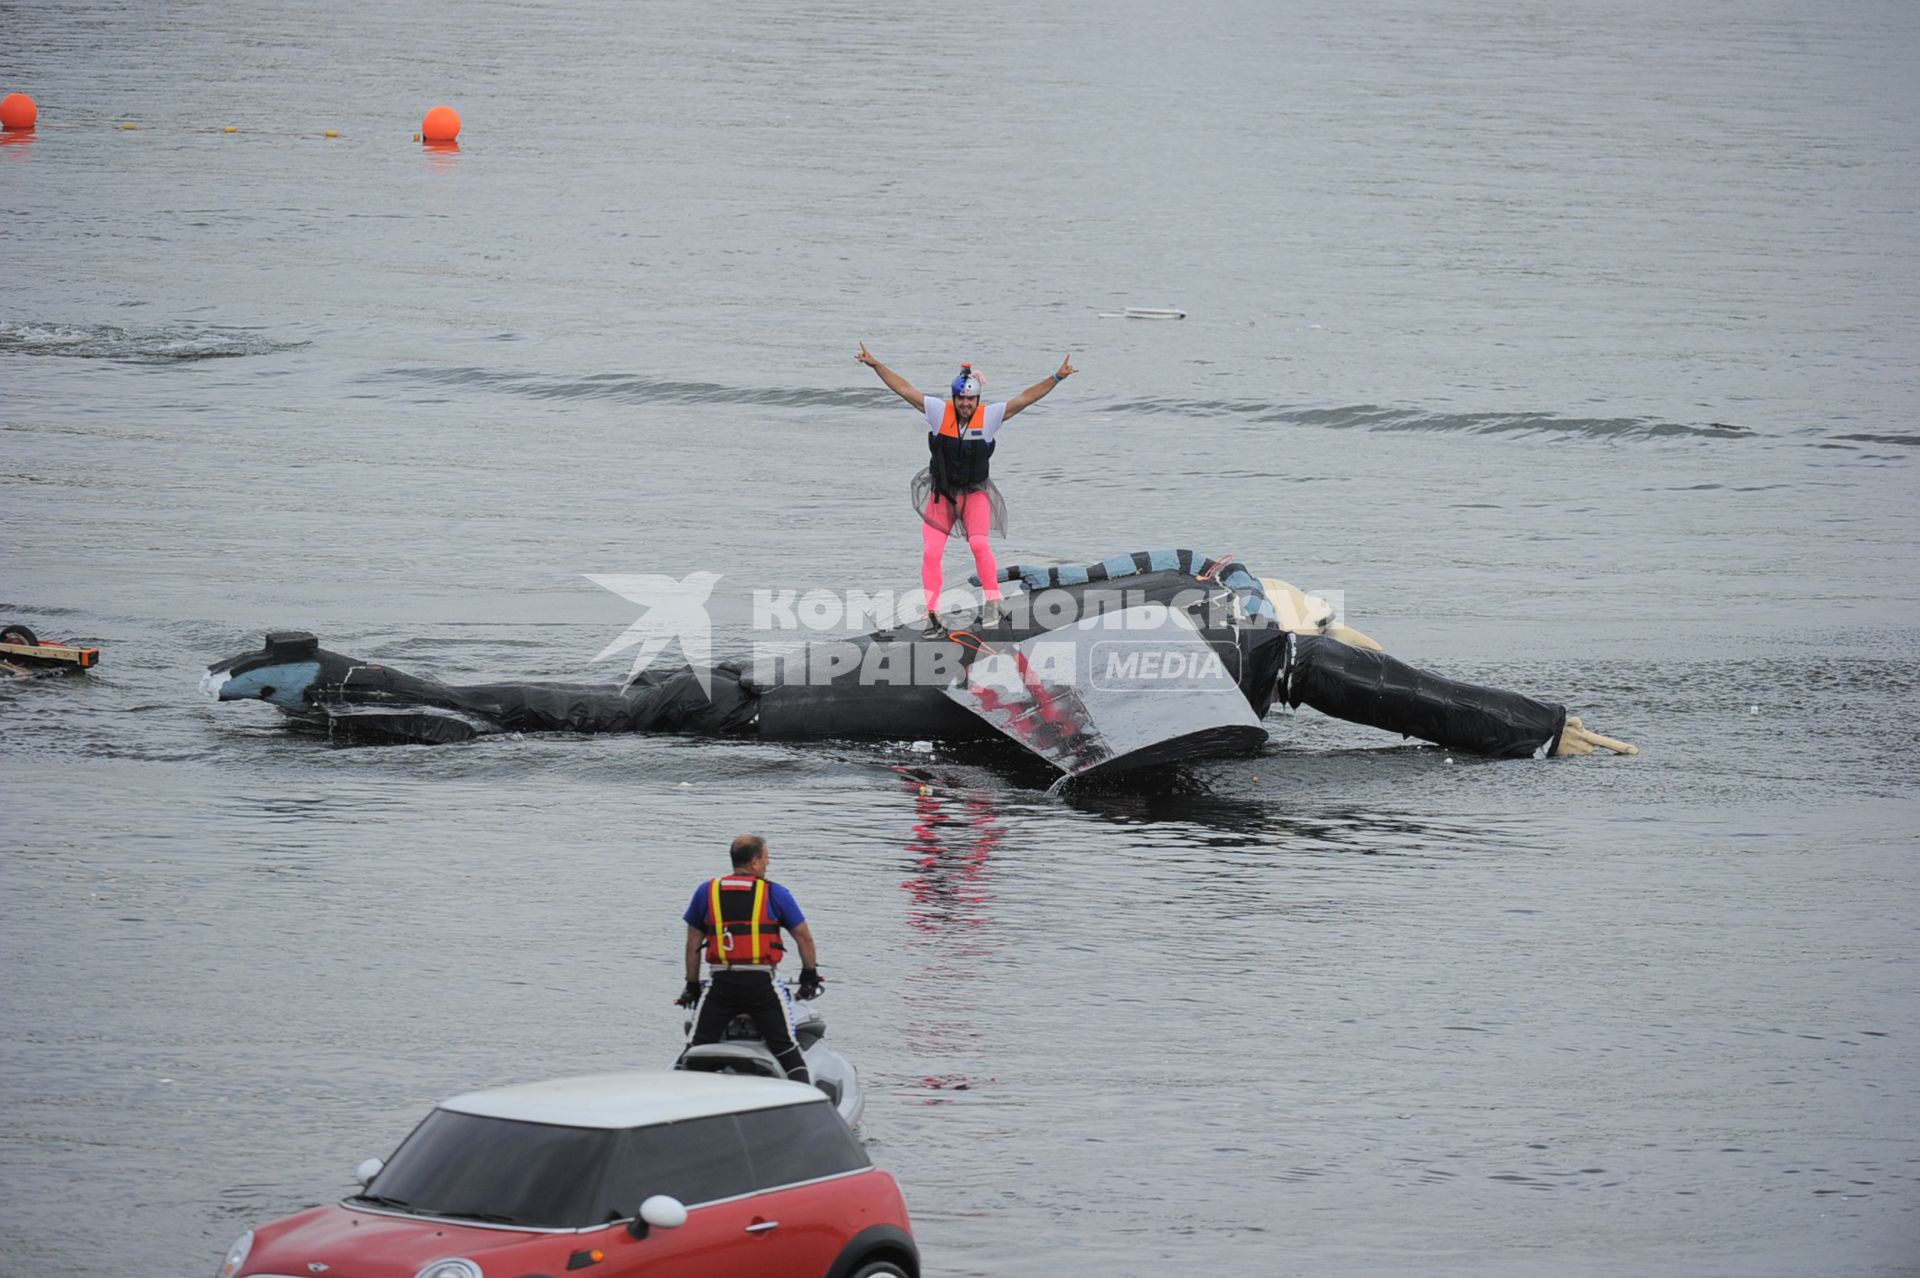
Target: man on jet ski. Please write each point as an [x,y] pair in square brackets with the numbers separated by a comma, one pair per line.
[735,922]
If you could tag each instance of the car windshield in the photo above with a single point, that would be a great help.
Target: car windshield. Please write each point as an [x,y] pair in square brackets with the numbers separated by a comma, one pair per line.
[466,1167]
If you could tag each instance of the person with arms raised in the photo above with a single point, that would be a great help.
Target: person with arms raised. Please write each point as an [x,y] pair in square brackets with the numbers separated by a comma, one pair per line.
[956,490]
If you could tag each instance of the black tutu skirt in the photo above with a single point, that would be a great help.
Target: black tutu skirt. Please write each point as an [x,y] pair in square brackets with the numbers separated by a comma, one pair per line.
[921,492]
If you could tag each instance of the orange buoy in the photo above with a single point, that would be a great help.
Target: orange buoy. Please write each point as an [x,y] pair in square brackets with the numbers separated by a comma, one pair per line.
[441,125]
[17,111]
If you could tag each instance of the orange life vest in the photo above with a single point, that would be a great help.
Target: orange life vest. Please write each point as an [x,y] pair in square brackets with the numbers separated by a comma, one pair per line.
[958,464]
[741,928]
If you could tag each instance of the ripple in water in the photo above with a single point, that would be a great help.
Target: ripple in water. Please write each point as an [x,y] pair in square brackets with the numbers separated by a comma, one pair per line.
[179,343]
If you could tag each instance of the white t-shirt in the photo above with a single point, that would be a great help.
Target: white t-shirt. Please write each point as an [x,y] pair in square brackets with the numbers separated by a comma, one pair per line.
[985,424]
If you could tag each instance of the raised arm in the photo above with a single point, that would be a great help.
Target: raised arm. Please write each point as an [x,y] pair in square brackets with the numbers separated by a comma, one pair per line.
[895,383]
[1038,391]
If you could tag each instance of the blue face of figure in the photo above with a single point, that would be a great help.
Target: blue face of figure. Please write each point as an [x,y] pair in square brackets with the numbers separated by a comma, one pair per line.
[283,684]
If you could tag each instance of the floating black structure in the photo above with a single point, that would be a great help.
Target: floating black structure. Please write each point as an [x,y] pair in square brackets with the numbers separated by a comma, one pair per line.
[1139,660]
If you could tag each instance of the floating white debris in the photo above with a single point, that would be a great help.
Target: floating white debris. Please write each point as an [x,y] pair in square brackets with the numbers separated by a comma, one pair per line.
[921,747]
[684,785]
[1753,709]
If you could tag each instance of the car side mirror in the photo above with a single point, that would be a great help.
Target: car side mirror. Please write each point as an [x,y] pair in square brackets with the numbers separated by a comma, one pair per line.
[661,1211]
[367,1170]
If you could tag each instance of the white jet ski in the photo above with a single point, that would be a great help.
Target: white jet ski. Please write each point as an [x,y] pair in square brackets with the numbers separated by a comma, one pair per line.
[742,1051]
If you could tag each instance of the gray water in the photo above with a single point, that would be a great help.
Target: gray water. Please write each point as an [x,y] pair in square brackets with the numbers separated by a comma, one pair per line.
[1573,346]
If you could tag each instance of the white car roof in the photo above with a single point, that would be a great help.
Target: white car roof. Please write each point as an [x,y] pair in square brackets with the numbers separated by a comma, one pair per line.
[635,1098]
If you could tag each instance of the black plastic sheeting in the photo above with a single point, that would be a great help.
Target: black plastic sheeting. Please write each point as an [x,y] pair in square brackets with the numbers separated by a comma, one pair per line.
[674,702]
[361,698]
[1369,687]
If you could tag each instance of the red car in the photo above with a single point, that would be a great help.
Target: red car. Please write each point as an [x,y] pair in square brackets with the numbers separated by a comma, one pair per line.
[666,1175]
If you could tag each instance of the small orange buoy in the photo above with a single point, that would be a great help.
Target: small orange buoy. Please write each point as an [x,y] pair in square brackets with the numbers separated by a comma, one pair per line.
[333,133]
[441,125]
[17,111]
[129,125]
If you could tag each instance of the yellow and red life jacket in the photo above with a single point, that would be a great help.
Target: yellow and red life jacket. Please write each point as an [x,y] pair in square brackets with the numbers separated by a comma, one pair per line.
[741,928]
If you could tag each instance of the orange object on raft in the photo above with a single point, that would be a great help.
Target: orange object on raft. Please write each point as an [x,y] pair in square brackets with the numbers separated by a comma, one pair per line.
[441,125]
[21,652]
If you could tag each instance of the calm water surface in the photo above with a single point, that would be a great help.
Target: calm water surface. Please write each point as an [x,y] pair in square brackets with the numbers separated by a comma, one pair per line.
[1573,346]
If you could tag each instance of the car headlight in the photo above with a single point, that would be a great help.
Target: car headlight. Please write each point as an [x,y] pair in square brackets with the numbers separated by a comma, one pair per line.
[236,1255]
[456,1267]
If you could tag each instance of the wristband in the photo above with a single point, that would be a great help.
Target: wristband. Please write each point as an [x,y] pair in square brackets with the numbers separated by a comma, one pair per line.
[1059,377]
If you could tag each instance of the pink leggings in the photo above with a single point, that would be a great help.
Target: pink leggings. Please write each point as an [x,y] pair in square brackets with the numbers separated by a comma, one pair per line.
[976,512]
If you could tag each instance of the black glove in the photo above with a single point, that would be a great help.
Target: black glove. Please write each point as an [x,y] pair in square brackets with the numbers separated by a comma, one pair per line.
[810,984]
[690,996]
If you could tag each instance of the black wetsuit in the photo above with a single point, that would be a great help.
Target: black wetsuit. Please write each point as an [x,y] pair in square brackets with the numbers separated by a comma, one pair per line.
[731,992]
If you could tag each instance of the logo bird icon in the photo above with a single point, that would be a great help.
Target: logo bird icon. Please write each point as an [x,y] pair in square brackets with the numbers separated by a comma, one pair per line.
[673,610]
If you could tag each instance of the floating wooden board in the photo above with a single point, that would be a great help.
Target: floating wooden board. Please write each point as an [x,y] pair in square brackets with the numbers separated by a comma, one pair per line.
[64,654]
